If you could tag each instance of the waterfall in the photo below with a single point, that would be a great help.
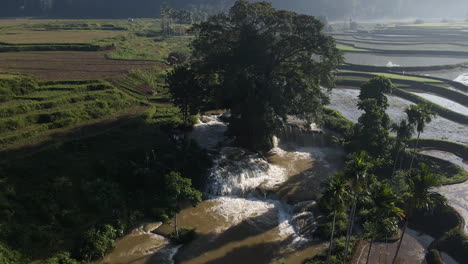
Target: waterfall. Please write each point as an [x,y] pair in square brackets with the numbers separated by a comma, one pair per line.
[238,172]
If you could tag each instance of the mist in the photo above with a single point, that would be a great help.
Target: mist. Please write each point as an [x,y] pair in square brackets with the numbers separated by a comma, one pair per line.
[373,9]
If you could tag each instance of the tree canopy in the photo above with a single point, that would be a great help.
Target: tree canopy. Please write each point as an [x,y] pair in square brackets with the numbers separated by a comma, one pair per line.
[264,64]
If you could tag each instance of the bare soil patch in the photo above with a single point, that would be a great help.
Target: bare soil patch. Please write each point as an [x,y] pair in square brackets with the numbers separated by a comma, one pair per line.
[68,65]
[38,37]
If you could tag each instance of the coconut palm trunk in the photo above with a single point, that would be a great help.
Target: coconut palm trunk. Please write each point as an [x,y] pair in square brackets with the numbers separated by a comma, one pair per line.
[370,249]
[399,242]
[415,150]
[330,247]
[350,229]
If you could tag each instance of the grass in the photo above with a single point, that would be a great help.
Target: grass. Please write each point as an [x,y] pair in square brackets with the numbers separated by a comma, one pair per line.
[405,77]
[440,25]
[350,48]
[133,47]
[51,106]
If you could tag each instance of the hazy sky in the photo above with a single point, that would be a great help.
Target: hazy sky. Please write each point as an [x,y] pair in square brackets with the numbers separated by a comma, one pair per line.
[378,8]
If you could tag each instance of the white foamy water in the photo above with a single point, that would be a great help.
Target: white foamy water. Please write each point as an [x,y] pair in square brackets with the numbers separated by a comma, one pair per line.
[261,214]
[237,172]
[444,102]
[209,132]
[391,64]
[463,78]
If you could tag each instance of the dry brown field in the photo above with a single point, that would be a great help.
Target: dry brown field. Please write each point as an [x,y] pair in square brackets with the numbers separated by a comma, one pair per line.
[66,36]
[68,65]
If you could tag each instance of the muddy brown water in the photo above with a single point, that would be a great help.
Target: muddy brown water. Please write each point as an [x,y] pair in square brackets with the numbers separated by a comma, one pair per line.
[256,210]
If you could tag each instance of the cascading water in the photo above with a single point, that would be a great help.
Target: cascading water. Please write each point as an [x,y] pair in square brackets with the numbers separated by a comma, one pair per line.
[257,209]
[238,172]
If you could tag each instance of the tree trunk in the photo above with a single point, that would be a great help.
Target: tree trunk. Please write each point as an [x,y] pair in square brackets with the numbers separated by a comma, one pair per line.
[350,229]
[399,242]
[370,249]
[330,247]
[396,161]
[415,150]
[175,227]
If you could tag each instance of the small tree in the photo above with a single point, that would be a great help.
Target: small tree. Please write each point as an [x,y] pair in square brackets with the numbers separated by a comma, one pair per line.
[179,189]
[335,197]
[186,91]
[356,172]
[419,116]
[418,195]
[372,131]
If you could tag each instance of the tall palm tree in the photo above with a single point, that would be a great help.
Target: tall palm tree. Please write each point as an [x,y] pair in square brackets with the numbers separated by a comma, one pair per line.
[383,206]
[335,196]
[356,173]
[404,132]
[419,195]
[420,116]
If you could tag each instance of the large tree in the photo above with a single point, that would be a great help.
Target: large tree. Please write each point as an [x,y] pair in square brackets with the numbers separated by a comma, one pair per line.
[267,64]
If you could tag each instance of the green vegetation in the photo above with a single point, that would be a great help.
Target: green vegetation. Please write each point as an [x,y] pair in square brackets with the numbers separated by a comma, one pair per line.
[405,77]
[376,195]
[262,76]
[350,48]
[29,109]
[97,242]
[372,131]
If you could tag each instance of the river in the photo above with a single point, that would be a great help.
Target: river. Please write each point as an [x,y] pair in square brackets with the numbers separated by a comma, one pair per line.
[260,209]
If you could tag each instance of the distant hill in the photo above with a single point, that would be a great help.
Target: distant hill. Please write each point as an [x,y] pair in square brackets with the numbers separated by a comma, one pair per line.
[333,9]
[102,8]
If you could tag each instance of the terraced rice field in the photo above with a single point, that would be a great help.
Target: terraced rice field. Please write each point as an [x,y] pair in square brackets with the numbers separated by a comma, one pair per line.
[345,101]
[56,105]
[400,60]
[68,65]
[37,37]
[446,103]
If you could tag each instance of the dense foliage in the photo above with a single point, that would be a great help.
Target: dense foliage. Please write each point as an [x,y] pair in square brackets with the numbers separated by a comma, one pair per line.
[372,130]
[264,64]
[77,194]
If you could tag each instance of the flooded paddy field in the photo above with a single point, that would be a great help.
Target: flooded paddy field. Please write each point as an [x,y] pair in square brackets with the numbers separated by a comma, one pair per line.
[345,101]
[400,60]
[444,102]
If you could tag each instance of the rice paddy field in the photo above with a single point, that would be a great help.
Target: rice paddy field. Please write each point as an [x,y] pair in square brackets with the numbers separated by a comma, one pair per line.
[81,72]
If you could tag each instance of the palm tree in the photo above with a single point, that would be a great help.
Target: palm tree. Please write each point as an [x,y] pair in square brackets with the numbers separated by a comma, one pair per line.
[383,206]
[404,132]
[419,195]
[419,115]
[356,172]
[335,196]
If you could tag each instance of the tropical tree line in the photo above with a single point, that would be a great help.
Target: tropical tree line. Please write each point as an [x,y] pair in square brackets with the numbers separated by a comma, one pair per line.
[379,203]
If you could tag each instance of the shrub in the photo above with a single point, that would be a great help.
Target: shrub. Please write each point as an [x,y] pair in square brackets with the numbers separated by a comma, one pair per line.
[9,256]
[61,258]
[96,242]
